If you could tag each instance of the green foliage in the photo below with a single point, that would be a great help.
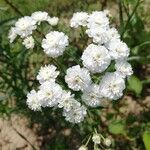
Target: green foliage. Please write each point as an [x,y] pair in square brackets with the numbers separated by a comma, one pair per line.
[135,85]
[146,139]
[117,127]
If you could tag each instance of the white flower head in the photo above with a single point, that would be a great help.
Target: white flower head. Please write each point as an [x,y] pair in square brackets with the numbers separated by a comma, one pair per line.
[98,19]
[40,16]
[96,138]
[92,97]
[83,147]
[99,35]
[49,94]
[96,58]
[79,19]
[53,21]
[47,73]
[12,34]
[78,78]
[112,86]
[24,26]
[67,101]
[33,101]
[55,43]
[123,68]
[118,49]
[76,115]
[28,42]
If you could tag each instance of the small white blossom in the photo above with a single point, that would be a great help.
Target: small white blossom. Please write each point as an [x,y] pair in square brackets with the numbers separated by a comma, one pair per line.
[118,49]
[92,97]
[55,43]
[96,58]
[112,34]
[83,147]
[49,94]
[67,101]
[79,19]
[99,35]
[112,86]
[107,142]
[98,19]
[24,26]
[76,115]
[123,68]
[28,42]
[40,16]
[96,139]
[33,101]
[12,34]
[47,73]
[78,78]
[53,21]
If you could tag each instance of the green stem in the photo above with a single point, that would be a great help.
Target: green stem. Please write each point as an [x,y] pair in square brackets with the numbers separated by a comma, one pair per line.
[130,17]
[88,140]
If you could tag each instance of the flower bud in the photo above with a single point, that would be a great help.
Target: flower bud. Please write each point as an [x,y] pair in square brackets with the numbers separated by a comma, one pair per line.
[96,139]
[83,147]
[107,142]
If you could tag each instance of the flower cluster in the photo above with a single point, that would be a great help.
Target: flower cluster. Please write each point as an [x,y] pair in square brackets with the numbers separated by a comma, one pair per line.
[25,26]
[106,47]
[51,94]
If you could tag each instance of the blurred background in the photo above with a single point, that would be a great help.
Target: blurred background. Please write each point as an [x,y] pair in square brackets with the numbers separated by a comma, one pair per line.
[126,121]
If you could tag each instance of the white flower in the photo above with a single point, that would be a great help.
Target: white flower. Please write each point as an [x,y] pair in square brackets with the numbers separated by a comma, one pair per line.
[98,19]
[112,86]
[53,21]
[92,97]
[96,139]
[118,49]
[83,147]
[99,35]
[39,16]
[96,58]
[25,26]
[28,42]
[78,78]
[123,68]
[47,73]
[12,34]
[107,142]
[76,114]
[49,94]
[79,19]
[55,43]
[113,34]
[33,101]
[67,101]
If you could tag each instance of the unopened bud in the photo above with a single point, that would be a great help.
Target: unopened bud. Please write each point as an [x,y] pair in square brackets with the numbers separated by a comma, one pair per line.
[96,139]
[107,142]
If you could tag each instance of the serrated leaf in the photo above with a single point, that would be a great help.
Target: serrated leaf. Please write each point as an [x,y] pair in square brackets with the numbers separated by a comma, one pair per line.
[146,140]
[135,85]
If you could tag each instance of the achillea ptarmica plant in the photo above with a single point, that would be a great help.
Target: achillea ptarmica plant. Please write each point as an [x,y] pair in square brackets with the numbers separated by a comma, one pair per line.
[104,49]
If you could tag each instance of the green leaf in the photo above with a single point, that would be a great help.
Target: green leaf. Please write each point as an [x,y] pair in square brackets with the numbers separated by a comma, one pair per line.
[135,85]
[146,139]
[117,127]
